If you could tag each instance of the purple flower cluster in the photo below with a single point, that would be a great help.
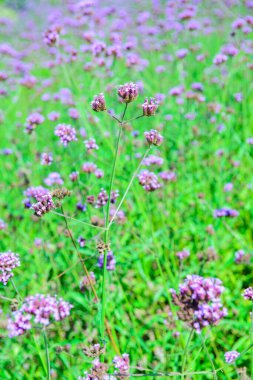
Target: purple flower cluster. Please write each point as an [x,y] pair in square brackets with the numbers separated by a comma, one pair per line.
[152,160]
[149,107]
[110,261]
[8,262]
[91,145]
[248,294]
[66,133]
[199,301]
[121,363]
[225,212]
[102,198]
[44,309]
[46,159]
[53,178]
[33,120]
[153,137]
[148,180]
[231,356]
[98,103]
[128,92]
[44,205]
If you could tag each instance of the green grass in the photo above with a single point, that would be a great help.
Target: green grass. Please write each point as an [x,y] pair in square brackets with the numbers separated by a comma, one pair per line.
[157,224]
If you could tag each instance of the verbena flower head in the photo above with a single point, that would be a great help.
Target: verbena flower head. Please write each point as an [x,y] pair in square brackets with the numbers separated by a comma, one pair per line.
[91,145]
[102,198]
[41,309]
[53,178]
[44,205]
[33,120]
[248,294]
[231,356]
[149,107]
[148,180]
[98,103]
[87,282]
[199,301]
[153,137]
[128,92]
[110,261]
[225,212]
[8,262]
[46,159]
[121,363]
[66,133]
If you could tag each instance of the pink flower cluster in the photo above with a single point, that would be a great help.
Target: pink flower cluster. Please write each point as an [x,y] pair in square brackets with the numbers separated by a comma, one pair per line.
[66,133]
[148,180]
[44,309]
[45,204]
[153,137]
[8,262]
[199,301]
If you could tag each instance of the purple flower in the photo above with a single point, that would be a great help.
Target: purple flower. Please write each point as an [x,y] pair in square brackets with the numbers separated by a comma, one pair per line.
[231,356]
[98,103]
[219,59]
[87,282]
[241,257]
[81,241]
[42,309]
[33,120]
[183,254]
[121,363]
[73,113]
[3,225]
[90,145]
[152,160]
[148,180]
[74,176]
[228,187]
[53,178]
[248,294]
[153,137]
[110,261]
[225,212]
[149,107]
[168,176]
[128,92]
[44,205]
[102,199]
[66,133]
[199,301]
[46,159]
[8,262]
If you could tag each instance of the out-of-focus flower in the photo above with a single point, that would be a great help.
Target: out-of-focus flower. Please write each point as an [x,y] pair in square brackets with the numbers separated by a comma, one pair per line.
[8,262]
[231,356]
[66,133]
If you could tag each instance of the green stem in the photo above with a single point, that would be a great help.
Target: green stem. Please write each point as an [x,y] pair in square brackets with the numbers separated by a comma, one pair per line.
[47,354]
[16,290]
[102,321]
[186,353]
[128,188]
[209,357]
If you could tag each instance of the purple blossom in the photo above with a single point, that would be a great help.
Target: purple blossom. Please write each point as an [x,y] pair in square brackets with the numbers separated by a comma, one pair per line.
[33,120]
[121,363]
[168,176]
[110,261]
[66,133]
[8,262]
[149,107]
[248,294]
[53,178]
[199,301]
[148,180]
[183,254]
[91,144]
[102,199]
[98,103]
[46,158]
[42,309]
[128,92]
[152,160]
[44,205]
[231,356]
[219,59]
[225,212]
[153,137]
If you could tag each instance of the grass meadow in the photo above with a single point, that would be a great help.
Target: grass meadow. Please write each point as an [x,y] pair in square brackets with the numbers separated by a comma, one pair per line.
[126,253]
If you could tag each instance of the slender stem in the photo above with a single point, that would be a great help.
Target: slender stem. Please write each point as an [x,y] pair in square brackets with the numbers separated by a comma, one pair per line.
[76,220]
[79,255]
[209,357]
[16,290]
[47,354]
[186,352]
[128,188]
[102,321]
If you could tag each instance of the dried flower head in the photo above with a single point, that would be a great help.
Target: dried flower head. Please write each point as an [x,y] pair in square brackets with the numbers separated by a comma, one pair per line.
[61,193]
